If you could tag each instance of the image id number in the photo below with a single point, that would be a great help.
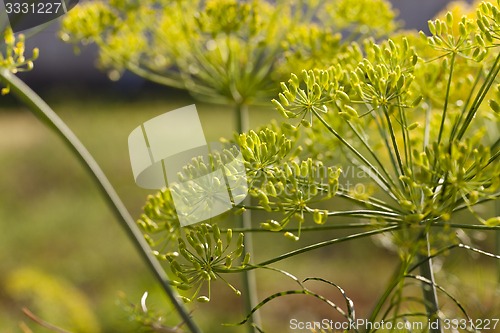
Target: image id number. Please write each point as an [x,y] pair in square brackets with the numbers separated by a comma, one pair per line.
[32,8]
[478,324]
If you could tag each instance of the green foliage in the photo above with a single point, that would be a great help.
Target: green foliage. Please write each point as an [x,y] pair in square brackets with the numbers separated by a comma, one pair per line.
[379,93]
[12,57]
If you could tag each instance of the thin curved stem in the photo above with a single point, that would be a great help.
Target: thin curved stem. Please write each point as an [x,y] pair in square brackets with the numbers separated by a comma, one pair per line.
[370,202]
[42,322]
[315,228]
[314,247]
[450,247]
[43,112]
[465,226]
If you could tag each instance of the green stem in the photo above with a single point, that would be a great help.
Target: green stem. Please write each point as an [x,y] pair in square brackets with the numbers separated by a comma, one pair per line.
[372,154]
[406,133]
[314,228]
[361,213]
[383,134]
[245,219]
[466,104]
[464,206]
[394,141]
[309,248]
[323,244]
[465,226]
[368,214]
[370,202]
[448,89]
[377,175]
[450,247]
[43,112]
[488,82]
[428,289]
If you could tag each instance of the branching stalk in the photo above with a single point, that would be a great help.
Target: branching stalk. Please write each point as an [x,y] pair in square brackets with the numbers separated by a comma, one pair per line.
[45,114]
[377,175]
[490,79]
[447,97]
[429,289]
[394,142]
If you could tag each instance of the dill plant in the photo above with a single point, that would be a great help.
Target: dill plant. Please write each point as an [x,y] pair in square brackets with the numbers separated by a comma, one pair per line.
[417,114]
[230,52]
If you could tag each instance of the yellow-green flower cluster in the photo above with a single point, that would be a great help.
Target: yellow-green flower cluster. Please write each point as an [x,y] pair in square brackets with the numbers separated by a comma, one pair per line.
[293,189]
[228,50]
[384,77]
[159,220]
[365,17]
[263,149]
[452,175]
[488,21]
[13,58]
[316,88]
[202,255]
[378,94]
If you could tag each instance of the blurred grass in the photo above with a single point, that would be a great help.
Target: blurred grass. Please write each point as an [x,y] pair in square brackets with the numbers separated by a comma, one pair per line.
[53,221]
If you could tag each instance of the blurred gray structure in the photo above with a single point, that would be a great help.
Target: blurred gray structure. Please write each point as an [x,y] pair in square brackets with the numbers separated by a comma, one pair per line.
[416,13]
[58,63]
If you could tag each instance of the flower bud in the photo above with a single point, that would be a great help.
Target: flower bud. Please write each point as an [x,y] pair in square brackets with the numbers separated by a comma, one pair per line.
[228,262]
[462,30]
[343,96]
[246,259]
[432,27]
[416,102]
[291,236]
[203,299]
[493,221]
[413,126]
[494,105]
[449,19]
[319,217]
[294,80]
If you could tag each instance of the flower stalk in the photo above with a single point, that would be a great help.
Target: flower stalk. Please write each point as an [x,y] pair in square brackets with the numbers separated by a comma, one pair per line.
[45,114]
[429,291]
